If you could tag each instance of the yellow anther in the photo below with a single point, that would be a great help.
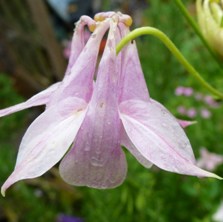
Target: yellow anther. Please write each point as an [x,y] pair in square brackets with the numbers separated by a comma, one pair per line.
[99,18]
[92,27]
[128,21]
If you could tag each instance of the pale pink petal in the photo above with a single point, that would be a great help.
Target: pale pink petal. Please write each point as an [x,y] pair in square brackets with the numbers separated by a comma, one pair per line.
[47,140]
[126,142]
[41,98]
[79,82]
[183,123]
[97,160]
[78,40]
[132,82]
[159,137]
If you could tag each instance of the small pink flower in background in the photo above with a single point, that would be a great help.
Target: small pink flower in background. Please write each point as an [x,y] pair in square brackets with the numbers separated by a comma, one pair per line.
[210,101]
[188,91]
[209,161]
[86,121]
[182,110]
[191,112]
[203,107]
[205,113]
[179,90]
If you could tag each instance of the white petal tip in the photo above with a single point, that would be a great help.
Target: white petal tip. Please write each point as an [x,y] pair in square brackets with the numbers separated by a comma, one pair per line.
[3,192]
[193,122]
[217,177]
[211,175]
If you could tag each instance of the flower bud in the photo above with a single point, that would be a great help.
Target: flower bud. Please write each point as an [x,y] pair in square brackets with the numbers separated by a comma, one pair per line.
[210,19]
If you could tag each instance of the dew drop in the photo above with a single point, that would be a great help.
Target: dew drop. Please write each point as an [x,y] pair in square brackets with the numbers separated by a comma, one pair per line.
[96,162]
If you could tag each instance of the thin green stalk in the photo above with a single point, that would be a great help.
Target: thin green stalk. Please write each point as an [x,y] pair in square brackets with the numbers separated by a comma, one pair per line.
[169,44]
[194,25]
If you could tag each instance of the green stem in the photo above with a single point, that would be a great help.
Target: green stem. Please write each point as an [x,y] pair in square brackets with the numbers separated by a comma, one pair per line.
[169,44]
[194,25]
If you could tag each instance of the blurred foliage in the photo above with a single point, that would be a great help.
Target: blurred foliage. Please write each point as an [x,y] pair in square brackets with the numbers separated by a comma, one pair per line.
[146,195]
[29,48]
[9,96]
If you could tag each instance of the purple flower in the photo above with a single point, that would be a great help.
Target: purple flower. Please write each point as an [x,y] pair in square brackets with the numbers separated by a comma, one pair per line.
[86,121]
[65,218]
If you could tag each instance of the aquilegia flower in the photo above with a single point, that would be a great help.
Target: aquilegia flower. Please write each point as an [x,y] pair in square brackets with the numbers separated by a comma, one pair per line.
[86,121]
[210,19]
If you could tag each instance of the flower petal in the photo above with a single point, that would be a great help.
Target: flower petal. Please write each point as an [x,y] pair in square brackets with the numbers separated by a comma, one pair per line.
[78,40]
[127,143]
[159,137]
[97,160]
[47,139]
[37,100]
[79,82]
[133,85]
[185,123]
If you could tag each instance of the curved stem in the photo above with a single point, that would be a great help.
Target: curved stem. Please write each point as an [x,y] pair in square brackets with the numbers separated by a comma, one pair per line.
[194,25]
[169,44]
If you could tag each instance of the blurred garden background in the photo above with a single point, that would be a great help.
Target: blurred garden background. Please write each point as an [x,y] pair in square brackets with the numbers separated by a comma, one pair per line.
[34,47]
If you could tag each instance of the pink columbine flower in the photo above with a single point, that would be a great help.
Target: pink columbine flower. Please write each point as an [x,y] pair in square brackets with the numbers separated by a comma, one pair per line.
[86,121]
